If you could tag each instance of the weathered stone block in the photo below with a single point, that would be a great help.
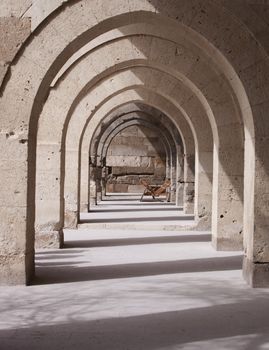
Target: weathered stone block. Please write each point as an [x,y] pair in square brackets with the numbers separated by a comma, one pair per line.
[256,274]
[70,219]
[16,268]
[49,239]
[120,188]
[3,70]
[135,189]
[233,243]
[13,32]
[110,188]
[14,8]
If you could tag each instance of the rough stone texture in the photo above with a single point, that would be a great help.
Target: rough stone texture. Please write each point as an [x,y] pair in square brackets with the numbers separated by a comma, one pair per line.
[189,193]
[15,8]
[16,268]
[40,10]
[3,70]
[13,32]
[50,239]
[70,219]
[135,153]
[256,274]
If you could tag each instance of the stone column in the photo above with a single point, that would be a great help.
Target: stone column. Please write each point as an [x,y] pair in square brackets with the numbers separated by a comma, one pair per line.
[92,186]
[179,177]
[103,181]
[49,203]
[227,205]
[256,218]
[173,177]
[203,190]
[98,181]
[17,221]
[71,182]
[84,182]
[188,184]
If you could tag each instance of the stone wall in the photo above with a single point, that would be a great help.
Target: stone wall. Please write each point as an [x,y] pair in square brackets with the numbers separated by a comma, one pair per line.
[136,152]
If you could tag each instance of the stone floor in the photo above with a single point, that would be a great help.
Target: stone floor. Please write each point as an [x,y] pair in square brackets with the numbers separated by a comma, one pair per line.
[112,289]
[124,211]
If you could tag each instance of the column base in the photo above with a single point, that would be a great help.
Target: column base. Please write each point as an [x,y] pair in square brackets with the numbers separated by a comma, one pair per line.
[92,204]
[49,239]
[99,197]
[227,244]
[256,274]
[173,197]
[71,219]
[188,197]
[179,196]
[84,208]
[203,223]
[16,269]
[188,208]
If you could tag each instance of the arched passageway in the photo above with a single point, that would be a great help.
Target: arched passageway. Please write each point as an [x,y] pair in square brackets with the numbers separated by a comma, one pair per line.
[78,66]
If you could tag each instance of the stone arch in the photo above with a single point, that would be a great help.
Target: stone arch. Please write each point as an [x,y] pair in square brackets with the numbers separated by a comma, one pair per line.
[143,93]
[187,139]
[110,123]
[170,144]
[72,160]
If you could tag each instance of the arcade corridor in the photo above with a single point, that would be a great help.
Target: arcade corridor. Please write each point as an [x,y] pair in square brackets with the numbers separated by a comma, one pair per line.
[102,101]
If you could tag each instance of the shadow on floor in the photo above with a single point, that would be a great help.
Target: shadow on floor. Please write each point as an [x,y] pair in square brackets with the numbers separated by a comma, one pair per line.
[135,219]
[73,273]
[57,256]
[138,241]
[180,209]
[58,263]
[135,204]
[137,199]
[122,199]
[57,252]
[160,330]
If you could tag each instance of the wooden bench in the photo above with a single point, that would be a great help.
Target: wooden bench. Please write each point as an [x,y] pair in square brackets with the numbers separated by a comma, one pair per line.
[154,190]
